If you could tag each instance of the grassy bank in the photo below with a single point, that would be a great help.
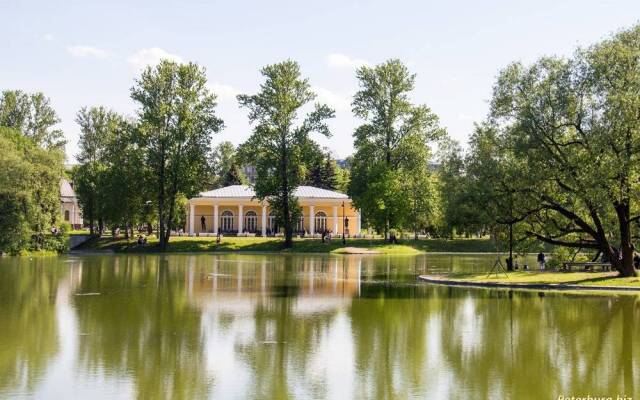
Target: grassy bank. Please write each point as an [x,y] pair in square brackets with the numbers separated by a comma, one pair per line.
[259,244]
[547,278]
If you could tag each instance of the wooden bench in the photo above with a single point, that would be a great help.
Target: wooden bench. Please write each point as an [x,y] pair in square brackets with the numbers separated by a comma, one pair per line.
[587,266]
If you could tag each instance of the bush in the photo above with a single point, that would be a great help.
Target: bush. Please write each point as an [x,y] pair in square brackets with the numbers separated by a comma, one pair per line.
[64,228]
[561,255]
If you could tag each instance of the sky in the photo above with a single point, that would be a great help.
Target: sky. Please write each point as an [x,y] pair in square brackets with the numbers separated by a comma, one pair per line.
[88,53]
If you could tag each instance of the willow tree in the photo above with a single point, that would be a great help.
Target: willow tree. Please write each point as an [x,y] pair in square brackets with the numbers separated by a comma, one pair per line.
[394,137]
[576,124]
[176,122]
[278,145]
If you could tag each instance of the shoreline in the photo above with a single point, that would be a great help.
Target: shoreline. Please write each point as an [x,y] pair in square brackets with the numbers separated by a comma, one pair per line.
[443,280]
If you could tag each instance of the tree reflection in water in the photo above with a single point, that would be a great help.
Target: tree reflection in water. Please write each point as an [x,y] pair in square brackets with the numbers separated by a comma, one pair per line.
[28,326]
[290,326]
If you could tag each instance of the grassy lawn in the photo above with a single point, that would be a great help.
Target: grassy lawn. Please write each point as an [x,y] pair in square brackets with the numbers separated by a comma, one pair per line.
[259,244]
[534,277]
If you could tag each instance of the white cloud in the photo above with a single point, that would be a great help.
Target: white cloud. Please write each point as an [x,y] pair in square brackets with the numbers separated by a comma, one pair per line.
[333,100]
[48,37]
[81,51]
[224,92]
[151,56]
[336,60]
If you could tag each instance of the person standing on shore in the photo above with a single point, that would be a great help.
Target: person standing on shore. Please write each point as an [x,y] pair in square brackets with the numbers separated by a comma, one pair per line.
[541,261]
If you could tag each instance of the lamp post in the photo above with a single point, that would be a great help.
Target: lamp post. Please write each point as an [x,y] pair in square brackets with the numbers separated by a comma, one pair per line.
[344,220]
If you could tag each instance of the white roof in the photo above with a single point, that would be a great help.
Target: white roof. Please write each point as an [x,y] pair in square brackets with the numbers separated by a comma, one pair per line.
[243,191]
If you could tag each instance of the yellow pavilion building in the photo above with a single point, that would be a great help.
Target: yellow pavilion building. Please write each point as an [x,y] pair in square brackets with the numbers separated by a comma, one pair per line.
[235,210]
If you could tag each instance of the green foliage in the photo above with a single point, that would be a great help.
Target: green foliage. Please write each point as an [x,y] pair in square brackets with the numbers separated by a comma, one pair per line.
[342,178]
[277,146]
[322,170]
[233,176]
[176,122]
[560,255]
[225,166]
[32,115]
[389,176]
[64,228]
[566,134]
[29,191]
[100,133]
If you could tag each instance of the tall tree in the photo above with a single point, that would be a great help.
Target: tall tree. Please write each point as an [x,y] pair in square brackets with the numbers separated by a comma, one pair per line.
[177,120]
[29,191]
[576,124]
[277,144]
[98,126]
[33,116]
[394,129]
[123,183]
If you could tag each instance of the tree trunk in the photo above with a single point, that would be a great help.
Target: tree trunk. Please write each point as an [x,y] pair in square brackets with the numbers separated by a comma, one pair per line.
[286,209]
[169,224]
[161,194]
[625,265]
[510,262]
[91,223]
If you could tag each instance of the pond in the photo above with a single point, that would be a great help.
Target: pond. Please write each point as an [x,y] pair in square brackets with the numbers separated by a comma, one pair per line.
[274,327]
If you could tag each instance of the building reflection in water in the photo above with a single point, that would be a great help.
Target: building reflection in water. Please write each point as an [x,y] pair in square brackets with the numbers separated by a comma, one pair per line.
[284,326]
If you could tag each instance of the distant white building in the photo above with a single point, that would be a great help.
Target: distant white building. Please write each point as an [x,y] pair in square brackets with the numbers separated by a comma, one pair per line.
[69,207]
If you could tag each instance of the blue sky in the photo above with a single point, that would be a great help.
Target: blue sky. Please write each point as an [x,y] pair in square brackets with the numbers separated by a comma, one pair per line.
[88,53]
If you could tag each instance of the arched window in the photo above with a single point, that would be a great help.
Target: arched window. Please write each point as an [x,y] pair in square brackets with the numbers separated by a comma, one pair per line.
[251,221]
[226,221]
[66,215]
[320,222]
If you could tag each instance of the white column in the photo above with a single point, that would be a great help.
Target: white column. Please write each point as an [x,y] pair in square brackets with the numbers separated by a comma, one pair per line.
[335,220]
[357,222]
[240,218]
[264,221]
[215,219]
[192,218]
[312,220]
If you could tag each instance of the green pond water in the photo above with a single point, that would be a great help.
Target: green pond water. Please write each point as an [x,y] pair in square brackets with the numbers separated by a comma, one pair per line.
[301,326]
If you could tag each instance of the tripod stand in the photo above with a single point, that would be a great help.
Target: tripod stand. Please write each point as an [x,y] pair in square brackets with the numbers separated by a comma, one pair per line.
[497,264]
[497,268]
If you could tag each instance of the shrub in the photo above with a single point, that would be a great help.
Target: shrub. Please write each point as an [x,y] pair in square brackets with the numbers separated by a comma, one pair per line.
[64,228]
[561,255]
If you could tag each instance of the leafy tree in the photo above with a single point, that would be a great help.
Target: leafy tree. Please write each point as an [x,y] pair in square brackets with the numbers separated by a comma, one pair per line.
[177,119]
[393,133]
[458,211]
[492,179]
[277,144]
[29,191]
[343,177]
[233,176]
[575,124]
[124,181]
[225,169]
[98,126]
[321,171]
[32,115]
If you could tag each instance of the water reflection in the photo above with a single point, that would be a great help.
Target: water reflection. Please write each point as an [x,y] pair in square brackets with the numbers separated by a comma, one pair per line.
[28,326]
[272,326]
